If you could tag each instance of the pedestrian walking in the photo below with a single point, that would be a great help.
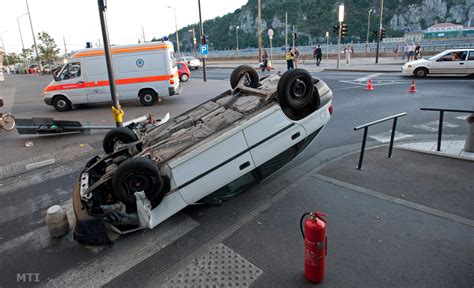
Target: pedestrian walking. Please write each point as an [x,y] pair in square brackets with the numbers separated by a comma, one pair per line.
[417,51]
[297,57]
[319,55]
[348,50]
[396,49]
[289,59]
[265,61]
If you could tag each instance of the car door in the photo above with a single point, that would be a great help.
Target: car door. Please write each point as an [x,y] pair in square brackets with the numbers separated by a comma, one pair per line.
[71,81]
[98,89]
[470,63]
[212,166]
[451,63]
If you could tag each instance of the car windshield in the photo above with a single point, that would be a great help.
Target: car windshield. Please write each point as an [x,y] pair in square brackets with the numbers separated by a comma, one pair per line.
[437,56]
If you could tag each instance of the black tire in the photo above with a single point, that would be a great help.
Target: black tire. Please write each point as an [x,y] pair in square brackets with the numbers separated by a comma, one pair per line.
[184,77]
[116,136]
[420,72]
[147,97]
[244,71]
[135,175]
[61,103]
[295,89]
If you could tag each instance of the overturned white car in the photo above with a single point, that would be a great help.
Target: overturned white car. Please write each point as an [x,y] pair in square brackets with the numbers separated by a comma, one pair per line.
[153,170]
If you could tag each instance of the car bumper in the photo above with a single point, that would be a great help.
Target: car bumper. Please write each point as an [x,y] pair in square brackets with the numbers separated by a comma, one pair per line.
[48,100]
[407,71]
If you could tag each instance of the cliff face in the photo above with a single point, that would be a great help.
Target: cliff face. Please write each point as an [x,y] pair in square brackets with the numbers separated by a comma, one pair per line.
[312,18]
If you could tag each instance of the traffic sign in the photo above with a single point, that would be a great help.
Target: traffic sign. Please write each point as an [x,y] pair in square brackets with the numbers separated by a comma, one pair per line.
[204,50]
[270,33]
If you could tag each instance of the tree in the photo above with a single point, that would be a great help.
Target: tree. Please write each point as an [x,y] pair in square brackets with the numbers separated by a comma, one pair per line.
[48,48]
[26,53]
[12,59]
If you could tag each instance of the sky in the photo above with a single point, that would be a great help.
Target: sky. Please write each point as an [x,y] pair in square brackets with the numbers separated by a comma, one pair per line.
[78,20]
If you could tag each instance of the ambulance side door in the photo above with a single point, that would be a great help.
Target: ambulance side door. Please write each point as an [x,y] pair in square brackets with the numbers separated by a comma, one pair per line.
[97,80]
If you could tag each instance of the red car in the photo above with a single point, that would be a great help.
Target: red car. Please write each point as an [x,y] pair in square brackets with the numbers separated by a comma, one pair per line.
[183,71]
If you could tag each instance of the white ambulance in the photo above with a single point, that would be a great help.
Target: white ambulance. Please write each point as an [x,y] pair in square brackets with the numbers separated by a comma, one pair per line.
[144,71]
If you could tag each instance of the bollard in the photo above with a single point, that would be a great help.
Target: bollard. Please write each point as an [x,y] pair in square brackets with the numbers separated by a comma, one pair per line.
[56,221]
[469,144]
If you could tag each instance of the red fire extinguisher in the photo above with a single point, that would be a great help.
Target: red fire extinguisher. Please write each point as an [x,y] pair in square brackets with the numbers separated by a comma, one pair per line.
[315,241]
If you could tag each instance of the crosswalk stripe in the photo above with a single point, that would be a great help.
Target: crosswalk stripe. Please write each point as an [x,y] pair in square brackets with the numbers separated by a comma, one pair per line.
[371,76]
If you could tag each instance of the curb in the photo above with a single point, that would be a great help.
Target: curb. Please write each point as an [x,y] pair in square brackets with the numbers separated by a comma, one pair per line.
[360,70]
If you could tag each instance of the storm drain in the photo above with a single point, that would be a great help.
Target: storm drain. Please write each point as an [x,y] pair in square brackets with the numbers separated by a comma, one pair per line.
[220,267]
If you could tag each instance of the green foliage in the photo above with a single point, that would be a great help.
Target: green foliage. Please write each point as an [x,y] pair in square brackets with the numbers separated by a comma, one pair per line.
[12,59]
[47,48]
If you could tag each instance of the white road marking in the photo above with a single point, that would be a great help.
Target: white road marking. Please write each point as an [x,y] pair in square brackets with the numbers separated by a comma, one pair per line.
[371,76]
[124,254]
[433,126]
[385,137]
[376,83]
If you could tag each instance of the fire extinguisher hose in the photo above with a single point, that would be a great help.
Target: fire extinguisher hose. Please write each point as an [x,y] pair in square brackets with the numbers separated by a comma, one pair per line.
[301,222]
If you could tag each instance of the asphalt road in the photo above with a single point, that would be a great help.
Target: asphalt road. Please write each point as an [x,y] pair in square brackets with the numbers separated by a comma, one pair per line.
[24,243]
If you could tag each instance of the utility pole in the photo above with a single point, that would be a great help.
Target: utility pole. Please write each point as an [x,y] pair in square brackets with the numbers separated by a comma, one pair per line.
[194,41]
[341,19]
[25,61]
[379,34]
[293,37]
[143,34]
[65,47]
[116,109]
[286,32]
[5,51]
[203,42]
[327,45]
[176,28]
[259,30]
[368,29]
[237,34]
[34,38]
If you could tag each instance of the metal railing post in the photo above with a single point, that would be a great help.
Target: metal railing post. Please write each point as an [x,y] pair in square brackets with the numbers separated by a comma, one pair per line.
[440,129]
[362,149]
[392,138]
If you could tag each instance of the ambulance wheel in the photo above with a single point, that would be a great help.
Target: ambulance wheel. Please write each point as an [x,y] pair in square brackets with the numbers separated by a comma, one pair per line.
[136,175]
[148,97]
[61,103]
[251,76]
[184,77]
[118,136]
[295,89]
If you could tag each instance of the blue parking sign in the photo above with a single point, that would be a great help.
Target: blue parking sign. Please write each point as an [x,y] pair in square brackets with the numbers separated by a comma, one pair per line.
[204,49]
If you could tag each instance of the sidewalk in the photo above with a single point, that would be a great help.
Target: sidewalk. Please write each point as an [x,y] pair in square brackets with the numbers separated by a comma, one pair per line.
[385,65]
[406,221]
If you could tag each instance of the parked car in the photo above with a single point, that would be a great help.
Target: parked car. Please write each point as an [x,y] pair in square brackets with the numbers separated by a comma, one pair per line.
[242,136]
[183,71]
[192,62]
[454,61]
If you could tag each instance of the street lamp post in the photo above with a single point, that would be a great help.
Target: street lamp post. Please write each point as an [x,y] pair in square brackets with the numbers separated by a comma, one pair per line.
[327,45]
[368,29]
[259,28]
[270,35]
[116,109]
[237,35]
[379,34]
[34,38]
[194,40]
[176,28]
[341,19]
[203,42]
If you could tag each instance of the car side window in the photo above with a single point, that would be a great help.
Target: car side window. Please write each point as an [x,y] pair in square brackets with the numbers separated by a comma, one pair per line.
[180,65]
[72,70]
[471,56]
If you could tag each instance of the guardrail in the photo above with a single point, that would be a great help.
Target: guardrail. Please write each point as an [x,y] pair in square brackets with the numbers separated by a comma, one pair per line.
[441,119]
[366,128]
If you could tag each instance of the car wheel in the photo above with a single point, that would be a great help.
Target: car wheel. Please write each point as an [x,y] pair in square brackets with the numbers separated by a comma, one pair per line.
[118,136]
[61,104]
[251,76]
[148,97]
[420,72]
[136,175]
[184,77]
[8,122]
[295,89]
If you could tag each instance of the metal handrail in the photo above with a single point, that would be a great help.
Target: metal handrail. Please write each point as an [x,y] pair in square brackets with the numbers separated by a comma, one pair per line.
[366,128]
[441,119]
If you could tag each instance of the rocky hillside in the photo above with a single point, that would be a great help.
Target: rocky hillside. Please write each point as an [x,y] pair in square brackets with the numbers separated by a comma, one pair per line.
[312,18]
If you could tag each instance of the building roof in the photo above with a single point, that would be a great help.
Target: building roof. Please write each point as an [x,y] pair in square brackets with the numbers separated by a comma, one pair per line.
[444,25]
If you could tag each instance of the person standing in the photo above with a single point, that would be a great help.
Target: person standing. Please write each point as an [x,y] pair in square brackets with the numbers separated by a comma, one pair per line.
[265,61]
[348,53]
[411,52]
[289,59]
[396,49]
[297,57]
[417,51]
[319,55]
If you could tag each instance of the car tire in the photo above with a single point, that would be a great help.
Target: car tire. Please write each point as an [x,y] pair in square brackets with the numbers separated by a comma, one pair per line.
[135,175]
[295,89]
[420,72]
[147,97]
[61,103]
[184,77]
[119,135]
[244,71]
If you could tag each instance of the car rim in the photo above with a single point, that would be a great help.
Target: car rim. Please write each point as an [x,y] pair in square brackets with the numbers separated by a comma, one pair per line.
[298,88]
[185,77]
[8,122]
[61,103]
[247,81]
[148,98]
[136,181]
